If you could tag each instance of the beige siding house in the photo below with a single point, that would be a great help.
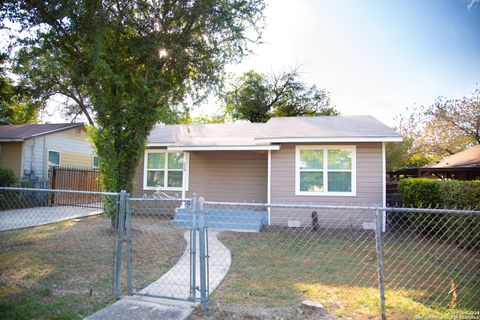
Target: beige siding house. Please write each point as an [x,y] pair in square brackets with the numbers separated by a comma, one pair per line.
[321,160]
[30,149]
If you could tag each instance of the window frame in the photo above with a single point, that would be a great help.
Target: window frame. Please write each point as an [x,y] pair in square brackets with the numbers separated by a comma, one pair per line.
[59,158]
[325,170]
[185,170]
[93,161]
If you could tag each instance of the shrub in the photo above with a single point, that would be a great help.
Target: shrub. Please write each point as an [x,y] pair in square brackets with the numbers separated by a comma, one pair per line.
[452,194]
[448,194]
[7,177]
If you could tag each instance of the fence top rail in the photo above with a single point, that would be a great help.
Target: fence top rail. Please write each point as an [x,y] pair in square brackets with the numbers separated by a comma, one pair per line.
[160,199]
[61,191]
[345,207]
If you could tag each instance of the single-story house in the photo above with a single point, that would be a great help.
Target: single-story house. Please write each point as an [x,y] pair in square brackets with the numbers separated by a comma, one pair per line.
[30,149]
[464,165]
[320,160]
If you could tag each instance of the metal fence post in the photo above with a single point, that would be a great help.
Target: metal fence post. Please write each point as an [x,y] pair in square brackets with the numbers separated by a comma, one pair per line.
[193,248]
[379,249]
[203,255]
[128,223]
[119,253]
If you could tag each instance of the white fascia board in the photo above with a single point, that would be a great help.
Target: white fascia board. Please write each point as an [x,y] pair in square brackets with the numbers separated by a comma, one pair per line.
[160,144]
[12,140]
[223,148]
[337,139]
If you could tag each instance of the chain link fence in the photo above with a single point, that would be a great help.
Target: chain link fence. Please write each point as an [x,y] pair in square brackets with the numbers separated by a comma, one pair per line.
[159,243]
[432,256]
[247,260]
[56,252]
[349,261]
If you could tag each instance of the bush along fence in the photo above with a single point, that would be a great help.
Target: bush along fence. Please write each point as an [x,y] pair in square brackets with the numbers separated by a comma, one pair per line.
[430,193]
[354,261]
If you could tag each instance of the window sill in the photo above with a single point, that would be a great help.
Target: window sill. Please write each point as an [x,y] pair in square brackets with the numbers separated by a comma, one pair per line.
[163,189]
[326,194]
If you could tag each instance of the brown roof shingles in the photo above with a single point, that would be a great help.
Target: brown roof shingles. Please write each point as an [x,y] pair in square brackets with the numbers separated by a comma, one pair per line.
[469,158]
[25,131]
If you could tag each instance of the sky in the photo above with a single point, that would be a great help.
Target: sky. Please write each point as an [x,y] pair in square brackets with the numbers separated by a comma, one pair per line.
[374,57]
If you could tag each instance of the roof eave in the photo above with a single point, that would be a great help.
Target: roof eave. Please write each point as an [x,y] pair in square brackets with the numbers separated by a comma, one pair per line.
[11,139]
[74,125]
[225,148]
[329,139]
[159,144]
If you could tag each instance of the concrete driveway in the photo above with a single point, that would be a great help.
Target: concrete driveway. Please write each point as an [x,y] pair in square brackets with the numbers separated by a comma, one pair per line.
[30,217]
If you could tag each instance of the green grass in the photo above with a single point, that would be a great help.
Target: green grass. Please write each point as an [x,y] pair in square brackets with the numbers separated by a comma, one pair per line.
[272,270]
[64,270]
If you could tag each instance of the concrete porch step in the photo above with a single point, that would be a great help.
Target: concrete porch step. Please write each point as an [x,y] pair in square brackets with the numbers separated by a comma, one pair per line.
[243,220]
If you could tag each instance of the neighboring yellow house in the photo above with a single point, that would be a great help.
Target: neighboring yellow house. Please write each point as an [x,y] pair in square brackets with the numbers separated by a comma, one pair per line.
[29,149]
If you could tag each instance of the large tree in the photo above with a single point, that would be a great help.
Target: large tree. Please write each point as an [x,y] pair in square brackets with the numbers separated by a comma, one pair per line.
[446,127]
[16,107]
[125,64]
[257,97]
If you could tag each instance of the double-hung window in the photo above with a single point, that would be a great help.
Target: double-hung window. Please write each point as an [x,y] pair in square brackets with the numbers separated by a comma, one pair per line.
[53,158]
[325,170]
[164,170]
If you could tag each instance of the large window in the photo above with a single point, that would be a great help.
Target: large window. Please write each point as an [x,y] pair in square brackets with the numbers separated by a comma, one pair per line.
[164,170]
[325,170]
[53,158]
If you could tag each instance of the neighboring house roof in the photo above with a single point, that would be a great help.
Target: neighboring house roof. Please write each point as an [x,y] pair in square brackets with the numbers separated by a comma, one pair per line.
[469,158]
[260,136]
[20,132]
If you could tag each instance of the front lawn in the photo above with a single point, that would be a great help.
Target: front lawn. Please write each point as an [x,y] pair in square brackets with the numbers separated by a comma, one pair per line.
[64,270]
[274,271]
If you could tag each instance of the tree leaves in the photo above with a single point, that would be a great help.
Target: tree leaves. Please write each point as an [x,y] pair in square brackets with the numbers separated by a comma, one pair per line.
[16,106]
[257,97]
[446,127]
[104,56]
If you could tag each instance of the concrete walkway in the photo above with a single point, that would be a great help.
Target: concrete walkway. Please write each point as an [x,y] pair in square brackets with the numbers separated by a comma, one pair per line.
[175,283]
[144,308]
[37,216]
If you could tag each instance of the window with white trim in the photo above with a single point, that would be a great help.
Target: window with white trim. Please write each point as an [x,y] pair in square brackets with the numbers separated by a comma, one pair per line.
[53,158]
[164,170]
[325,170]
[95,161]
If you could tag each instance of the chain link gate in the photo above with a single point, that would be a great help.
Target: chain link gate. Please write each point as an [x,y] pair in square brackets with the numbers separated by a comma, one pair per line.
[166,248]
[389,249]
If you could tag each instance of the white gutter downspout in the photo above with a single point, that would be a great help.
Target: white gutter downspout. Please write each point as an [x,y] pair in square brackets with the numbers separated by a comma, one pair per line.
[32,158]
[384,188]
[22,163]
[45,159]
[269,183]
[184,178]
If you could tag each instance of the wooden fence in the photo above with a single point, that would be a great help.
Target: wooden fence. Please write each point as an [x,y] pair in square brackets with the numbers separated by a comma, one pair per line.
[394,198]
[67,178]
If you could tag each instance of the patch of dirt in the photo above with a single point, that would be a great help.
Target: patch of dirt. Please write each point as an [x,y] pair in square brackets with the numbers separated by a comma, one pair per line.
[232,311]
[16,244]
